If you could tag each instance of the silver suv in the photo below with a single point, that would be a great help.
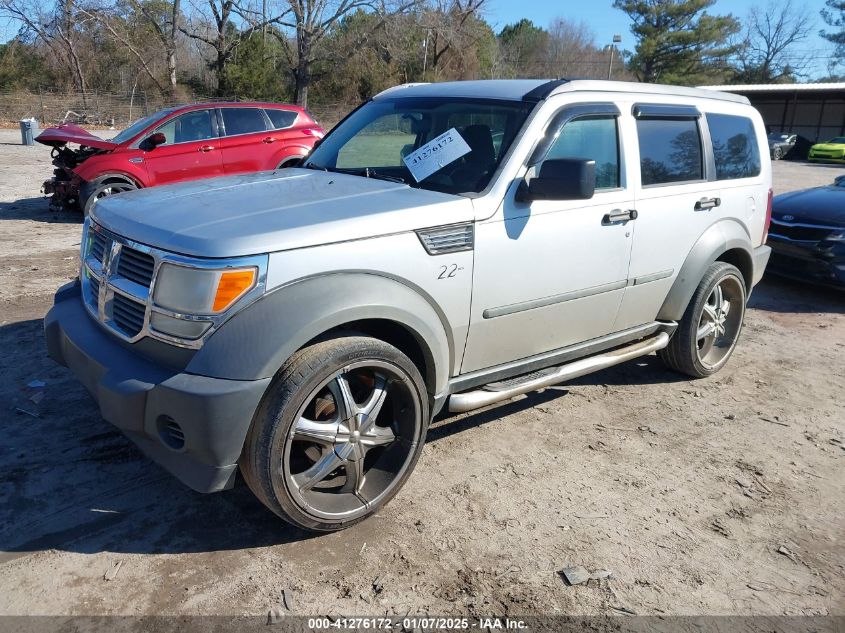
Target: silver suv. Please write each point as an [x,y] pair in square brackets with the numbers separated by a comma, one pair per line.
[446,247]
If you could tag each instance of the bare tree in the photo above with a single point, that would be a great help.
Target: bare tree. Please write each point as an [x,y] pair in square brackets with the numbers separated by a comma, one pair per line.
[306,25]
[766,51]
[163,25]
[57,27]
[224,25]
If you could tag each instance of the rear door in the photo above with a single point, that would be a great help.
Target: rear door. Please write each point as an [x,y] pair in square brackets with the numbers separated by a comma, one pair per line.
[248,144]
[191,150]
[677,198]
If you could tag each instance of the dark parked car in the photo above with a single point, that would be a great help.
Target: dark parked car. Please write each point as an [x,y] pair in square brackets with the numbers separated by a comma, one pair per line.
[780,143]
[174,145]
[807,234]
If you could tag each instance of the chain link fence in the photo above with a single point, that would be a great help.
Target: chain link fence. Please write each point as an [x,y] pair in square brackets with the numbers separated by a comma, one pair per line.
[113,110]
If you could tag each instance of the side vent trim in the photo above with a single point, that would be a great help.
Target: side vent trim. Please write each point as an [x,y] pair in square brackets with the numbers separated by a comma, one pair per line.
[453,238]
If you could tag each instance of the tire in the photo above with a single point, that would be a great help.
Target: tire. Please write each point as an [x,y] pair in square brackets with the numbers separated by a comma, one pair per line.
[104,189]
[339,464]
[777,153]
[710,328]
[292,161]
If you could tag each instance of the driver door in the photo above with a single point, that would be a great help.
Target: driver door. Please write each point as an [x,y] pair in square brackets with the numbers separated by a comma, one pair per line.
[552,273]
[191,151]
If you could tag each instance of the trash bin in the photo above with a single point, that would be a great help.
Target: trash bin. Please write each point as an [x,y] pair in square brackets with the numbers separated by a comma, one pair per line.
[29,130]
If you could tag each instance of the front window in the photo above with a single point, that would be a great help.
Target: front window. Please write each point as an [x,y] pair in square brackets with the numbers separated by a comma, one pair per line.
[443,144]
[188,128]
[593,137]
[140,125]
[839,140]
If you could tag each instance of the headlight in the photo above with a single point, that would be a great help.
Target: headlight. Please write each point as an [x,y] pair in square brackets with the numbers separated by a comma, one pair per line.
[199,291]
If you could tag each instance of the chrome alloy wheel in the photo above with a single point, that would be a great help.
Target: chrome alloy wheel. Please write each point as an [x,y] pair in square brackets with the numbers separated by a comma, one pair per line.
[720,322]
[351,441]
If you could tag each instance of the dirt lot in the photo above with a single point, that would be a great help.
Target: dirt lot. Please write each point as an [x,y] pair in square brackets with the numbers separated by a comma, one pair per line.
[684,490]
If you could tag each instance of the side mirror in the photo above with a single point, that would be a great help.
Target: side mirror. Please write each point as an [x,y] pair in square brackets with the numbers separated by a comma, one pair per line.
[561,179]
[154,140]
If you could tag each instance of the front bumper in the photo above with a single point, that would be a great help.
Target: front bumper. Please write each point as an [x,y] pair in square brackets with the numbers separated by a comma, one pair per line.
[144,399]
[817,262]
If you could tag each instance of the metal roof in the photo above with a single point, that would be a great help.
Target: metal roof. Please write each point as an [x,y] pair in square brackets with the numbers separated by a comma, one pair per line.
[777,87]
[518,89]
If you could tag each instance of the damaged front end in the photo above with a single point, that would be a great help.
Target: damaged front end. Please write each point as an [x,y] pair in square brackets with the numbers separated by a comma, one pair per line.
[64,187]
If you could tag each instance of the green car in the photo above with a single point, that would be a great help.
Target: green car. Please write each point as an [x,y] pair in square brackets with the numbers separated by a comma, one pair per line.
[831,151]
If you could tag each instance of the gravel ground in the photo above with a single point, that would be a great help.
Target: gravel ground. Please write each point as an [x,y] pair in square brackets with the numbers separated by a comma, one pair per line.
[686,491]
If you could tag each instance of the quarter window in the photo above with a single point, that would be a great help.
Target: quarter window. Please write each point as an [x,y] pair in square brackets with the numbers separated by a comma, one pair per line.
[670,150]
[243,121]
[594,138]
[281,118]
[192,126]
[734,146]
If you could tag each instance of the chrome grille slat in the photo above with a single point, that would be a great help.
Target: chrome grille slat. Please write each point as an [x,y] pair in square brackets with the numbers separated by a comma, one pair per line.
[128,315]
[135,266]
[98,246]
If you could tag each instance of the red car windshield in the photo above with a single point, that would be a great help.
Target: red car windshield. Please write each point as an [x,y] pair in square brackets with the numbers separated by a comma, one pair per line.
[140,125]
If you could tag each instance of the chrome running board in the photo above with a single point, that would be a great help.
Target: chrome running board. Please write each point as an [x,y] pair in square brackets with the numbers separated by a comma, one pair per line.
[469,400]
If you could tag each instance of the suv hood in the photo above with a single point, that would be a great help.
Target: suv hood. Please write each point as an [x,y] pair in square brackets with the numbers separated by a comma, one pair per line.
[272,211]
[70,133]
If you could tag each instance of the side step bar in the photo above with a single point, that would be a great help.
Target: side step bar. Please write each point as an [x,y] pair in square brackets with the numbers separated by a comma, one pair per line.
[469,400]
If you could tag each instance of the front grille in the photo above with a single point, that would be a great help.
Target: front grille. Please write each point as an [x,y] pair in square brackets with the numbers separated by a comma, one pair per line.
[801,232]
[93,290]
[98,247]
[135,266]
[128,315]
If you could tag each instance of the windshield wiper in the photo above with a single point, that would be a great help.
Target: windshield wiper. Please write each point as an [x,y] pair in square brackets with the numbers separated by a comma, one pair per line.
[372,173]
[366,172]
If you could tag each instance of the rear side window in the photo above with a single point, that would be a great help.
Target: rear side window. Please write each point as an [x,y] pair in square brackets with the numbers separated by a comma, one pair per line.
[734,146]
[281,118]
[670,150]
[591,137]
[243,121]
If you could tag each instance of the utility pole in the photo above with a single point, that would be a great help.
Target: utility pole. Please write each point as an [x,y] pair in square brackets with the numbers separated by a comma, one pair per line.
[616,40]
[425,54]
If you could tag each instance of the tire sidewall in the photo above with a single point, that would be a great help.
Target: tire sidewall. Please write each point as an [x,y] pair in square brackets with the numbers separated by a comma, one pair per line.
[696,309]
[286,399]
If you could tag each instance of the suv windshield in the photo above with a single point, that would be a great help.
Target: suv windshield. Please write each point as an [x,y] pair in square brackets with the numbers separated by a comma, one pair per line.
[453,145]
[140,125]
[778,137]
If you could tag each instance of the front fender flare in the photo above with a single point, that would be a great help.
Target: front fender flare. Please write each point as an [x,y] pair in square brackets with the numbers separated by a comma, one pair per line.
[257,341]
[720,237]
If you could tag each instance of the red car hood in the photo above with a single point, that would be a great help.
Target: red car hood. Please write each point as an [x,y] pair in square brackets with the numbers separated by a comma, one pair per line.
[71,133]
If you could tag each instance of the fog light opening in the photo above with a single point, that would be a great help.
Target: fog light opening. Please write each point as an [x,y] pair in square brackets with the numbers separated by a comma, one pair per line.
[170,433]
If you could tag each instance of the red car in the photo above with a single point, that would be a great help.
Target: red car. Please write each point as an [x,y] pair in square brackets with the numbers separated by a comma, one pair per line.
[176,144]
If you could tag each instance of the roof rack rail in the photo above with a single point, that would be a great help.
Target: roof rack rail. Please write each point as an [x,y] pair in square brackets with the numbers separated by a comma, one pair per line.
[543,90]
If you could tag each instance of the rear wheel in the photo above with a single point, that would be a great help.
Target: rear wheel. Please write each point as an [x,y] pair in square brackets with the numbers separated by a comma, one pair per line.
[105,189]
[777,153]
[338,433]
[708,332]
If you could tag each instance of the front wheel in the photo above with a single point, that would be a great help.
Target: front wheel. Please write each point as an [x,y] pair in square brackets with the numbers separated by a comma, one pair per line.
[337,434]
[104,190]
[777,153]
[708,332]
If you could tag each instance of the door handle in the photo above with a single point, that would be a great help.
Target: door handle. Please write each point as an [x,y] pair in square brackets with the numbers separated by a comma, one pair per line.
[269,139]
[707,203]
[206,148]
[619,215]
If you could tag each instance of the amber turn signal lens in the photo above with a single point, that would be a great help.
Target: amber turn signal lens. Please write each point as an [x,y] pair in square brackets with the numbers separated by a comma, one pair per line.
[232,285]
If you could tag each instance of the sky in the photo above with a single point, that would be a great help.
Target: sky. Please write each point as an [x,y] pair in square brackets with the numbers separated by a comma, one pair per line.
[605,21]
